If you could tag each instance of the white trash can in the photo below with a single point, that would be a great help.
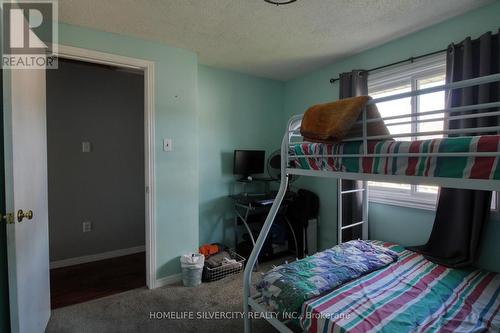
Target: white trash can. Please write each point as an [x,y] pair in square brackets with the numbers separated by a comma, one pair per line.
[192,269]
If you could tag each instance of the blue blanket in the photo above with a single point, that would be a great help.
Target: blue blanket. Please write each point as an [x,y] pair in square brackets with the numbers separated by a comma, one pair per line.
[286,287]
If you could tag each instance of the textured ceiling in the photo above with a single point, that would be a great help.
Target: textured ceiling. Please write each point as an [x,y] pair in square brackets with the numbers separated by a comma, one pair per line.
[254,37]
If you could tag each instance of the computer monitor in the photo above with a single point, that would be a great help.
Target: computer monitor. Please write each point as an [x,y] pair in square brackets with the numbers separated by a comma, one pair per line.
[248,162]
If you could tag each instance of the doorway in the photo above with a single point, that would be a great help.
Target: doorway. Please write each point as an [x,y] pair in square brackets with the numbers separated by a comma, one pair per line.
[95,144]
[99,130]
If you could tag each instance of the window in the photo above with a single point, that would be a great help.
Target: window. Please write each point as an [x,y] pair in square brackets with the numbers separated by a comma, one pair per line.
[419,75]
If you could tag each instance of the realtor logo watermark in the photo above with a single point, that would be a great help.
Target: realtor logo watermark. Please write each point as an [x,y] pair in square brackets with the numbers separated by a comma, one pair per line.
[29,34]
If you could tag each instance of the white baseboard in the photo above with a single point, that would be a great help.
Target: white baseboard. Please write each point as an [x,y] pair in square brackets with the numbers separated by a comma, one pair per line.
[171,279]
[96,257]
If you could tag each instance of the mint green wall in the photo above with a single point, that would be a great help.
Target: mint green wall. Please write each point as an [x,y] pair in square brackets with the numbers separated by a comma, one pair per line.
[237,111]
[406,226]
[176,75]
[208,112]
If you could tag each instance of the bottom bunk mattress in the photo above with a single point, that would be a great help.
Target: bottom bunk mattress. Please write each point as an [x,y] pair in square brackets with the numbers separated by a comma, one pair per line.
[426,166]
[410,295]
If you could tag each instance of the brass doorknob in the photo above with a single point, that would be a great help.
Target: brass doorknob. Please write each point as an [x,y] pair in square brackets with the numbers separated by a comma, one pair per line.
[21,215]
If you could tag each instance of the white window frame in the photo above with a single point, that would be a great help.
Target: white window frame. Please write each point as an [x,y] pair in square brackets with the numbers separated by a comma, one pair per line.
[409,199]
[403,198]
[392,77]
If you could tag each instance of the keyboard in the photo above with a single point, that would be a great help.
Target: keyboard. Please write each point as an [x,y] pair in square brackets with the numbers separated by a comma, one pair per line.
[265,202]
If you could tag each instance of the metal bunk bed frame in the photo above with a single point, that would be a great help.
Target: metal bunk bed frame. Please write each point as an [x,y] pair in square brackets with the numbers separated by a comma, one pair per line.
[293,131]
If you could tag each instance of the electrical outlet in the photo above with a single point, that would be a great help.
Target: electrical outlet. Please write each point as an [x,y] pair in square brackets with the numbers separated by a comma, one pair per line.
[87,226]
[167,144]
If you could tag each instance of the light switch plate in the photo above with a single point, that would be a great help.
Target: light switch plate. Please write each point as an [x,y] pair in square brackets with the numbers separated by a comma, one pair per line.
[86,147]
[167,144]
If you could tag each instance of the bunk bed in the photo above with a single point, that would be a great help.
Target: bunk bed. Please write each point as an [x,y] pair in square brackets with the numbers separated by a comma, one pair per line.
[468,162]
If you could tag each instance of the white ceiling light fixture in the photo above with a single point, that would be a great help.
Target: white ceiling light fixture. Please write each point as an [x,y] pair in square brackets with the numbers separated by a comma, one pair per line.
[280,2]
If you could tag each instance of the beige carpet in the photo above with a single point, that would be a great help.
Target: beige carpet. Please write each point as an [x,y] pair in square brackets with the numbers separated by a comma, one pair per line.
[130,311]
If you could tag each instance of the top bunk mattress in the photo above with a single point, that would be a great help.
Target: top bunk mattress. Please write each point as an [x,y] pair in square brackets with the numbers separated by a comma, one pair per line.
[308,156]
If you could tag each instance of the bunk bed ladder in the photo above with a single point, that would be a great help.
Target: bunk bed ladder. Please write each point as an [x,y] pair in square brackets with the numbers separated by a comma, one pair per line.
[364,221]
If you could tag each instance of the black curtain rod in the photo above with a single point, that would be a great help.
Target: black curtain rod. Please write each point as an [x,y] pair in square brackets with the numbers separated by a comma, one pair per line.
[410,59]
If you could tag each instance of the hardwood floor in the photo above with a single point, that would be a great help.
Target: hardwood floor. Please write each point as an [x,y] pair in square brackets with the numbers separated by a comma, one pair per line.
[85,282]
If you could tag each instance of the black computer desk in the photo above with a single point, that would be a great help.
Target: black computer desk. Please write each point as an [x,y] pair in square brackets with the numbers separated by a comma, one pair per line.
[247,204]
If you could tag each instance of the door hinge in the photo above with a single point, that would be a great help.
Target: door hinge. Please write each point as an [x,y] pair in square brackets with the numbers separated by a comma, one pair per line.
[9,218]
[147,189]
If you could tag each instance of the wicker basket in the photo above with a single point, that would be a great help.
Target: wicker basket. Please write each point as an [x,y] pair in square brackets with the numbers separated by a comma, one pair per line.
[217,273]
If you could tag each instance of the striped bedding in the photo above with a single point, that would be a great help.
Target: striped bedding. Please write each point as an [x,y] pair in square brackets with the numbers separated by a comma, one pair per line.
[427,166]
[411,295]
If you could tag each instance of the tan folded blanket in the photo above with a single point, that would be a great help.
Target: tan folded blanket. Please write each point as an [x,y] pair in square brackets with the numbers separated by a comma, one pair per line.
[333,122]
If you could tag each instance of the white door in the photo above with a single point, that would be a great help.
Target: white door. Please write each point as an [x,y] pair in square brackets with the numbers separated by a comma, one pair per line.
[26,189]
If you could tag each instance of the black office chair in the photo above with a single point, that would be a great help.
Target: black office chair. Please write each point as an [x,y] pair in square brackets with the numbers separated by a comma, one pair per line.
[303,207]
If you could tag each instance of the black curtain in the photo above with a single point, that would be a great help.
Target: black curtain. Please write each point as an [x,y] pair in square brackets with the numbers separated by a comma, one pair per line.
[461,214]
[352,84]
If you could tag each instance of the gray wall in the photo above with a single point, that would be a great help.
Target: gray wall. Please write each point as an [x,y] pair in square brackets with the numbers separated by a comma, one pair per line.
[105,106]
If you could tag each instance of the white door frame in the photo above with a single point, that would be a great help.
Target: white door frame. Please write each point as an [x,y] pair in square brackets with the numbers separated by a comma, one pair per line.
[148,67]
